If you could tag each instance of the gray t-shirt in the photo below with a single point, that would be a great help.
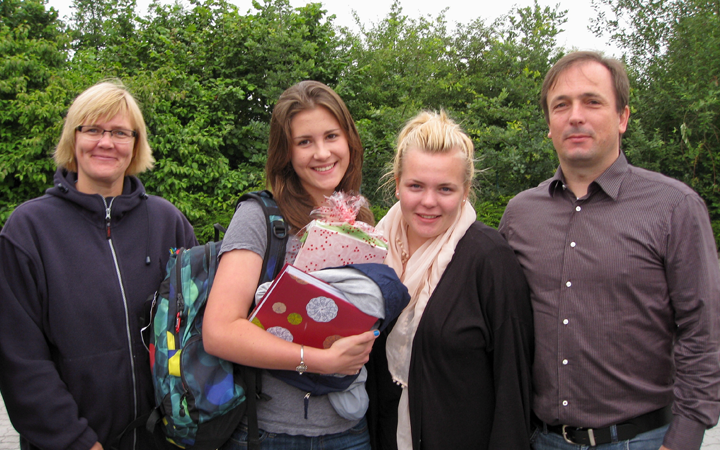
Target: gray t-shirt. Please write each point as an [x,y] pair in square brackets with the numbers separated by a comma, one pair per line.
[285,413]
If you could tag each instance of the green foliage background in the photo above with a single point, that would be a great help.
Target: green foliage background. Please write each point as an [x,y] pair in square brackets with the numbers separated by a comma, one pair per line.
[207,78]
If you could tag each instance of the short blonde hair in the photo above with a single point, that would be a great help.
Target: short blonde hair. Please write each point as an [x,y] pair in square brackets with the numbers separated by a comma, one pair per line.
[434,133]
[104,100]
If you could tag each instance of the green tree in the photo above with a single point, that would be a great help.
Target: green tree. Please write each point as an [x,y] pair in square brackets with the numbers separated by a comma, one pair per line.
[33,57]
[101,23]
[673,49]
[207,78]
[400,66]
[506,64]
[487,77]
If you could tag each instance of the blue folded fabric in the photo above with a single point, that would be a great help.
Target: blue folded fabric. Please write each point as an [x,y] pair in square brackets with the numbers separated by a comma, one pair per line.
[394,293]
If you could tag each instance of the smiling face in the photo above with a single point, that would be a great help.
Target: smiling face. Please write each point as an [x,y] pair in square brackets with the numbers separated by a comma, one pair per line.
[431,190]
[319,152]
[101,165]
[585,126]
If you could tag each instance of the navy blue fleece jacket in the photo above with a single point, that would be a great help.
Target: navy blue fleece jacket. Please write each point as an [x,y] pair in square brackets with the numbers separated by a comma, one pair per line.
[73,284]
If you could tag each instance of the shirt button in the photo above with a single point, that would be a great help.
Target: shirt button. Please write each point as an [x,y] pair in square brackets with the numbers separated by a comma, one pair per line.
[577,208]
[568,284]
[565,322]
[572,244]
[565,402]
[565,361]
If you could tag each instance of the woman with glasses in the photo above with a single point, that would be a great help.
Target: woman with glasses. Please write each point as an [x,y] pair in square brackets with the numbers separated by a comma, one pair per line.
[314,150]
[76,268]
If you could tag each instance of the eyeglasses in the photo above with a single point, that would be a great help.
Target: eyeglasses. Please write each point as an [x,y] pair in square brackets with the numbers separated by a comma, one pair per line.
[94,133]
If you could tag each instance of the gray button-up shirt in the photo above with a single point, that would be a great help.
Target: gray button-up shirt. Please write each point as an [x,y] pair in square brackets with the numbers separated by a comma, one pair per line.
[626,299]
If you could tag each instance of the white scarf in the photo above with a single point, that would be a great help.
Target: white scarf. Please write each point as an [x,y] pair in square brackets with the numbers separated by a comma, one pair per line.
[420,274]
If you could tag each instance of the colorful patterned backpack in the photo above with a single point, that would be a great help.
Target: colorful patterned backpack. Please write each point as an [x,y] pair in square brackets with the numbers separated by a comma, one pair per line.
[200,399]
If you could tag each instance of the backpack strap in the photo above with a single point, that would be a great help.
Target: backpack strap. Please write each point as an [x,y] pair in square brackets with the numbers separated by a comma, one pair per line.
[277,234]
[219,229]
[149,421]
[251,376]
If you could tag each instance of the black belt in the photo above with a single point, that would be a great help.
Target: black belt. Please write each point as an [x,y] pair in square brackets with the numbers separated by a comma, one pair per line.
[625,430]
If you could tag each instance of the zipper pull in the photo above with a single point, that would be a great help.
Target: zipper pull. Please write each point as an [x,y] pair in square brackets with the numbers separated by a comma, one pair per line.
[107,216]
[307,403]
[178,317]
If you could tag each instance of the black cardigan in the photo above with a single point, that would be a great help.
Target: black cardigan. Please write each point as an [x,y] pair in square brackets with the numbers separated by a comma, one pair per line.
[469,383]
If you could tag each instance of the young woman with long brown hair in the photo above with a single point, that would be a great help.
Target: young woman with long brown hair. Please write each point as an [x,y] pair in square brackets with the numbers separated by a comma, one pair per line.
[314,150]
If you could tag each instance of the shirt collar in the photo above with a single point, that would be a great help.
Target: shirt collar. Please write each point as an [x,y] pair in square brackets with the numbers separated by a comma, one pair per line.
[609,181]
[557,182]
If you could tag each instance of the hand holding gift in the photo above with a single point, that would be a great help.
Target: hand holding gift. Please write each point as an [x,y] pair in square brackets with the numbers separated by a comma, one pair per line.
[336,239]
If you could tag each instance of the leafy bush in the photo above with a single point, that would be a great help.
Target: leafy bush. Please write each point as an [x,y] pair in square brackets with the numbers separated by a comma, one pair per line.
[207,78]
[490,211]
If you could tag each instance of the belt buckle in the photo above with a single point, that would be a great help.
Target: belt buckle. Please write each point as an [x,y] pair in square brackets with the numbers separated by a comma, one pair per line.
[591,436]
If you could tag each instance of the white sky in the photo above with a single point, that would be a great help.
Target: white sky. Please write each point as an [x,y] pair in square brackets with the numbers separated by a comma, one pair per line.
[576,34]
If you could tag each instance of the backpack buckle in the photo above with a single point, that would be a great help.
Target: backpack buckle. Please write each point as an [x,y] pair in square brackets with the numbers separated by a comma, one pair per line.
[279,227]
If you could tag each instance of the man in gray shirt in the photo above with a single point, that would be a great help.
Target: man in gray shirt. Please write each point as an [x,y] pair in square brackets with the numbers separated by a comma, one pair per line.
[625,283]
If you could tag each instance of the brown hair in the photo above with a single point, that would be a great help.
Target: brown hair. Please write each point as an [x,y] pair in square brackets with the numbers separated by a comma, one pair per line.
[620,81]
[292,198]
[104,100]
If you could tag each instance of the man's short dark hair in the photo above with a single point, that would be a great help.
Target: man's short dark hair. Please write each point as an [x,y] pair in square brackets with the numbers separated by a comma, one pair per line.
[620,81]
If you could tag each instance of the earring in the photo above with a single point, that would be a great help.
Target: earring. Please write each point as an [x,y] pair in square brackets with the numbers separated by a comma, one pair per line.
[397,194]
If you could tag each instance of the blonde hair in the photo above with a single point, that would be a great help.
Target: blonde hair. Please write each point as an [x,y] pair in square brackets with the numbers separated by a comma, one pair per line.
[104,100]
[434,132]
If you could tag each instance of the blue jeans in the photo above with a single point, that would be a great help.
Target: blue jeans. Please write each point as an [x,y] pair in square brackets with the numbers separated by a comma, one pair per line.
[651,440]
[356,438]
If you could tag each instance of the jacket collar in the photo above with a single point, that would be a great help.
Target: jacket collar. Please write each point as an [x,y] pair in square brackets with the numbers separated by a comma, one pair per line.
[64,187]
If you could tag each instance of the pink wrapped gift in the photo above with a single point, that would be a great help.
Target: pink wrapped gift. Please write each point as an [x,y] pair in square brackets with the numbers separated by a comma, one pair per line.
[337,239]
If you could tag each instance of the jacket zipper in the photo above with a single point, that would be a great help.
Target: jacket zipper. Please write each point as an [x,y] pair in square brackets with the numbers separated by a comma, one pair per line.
[108,216]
